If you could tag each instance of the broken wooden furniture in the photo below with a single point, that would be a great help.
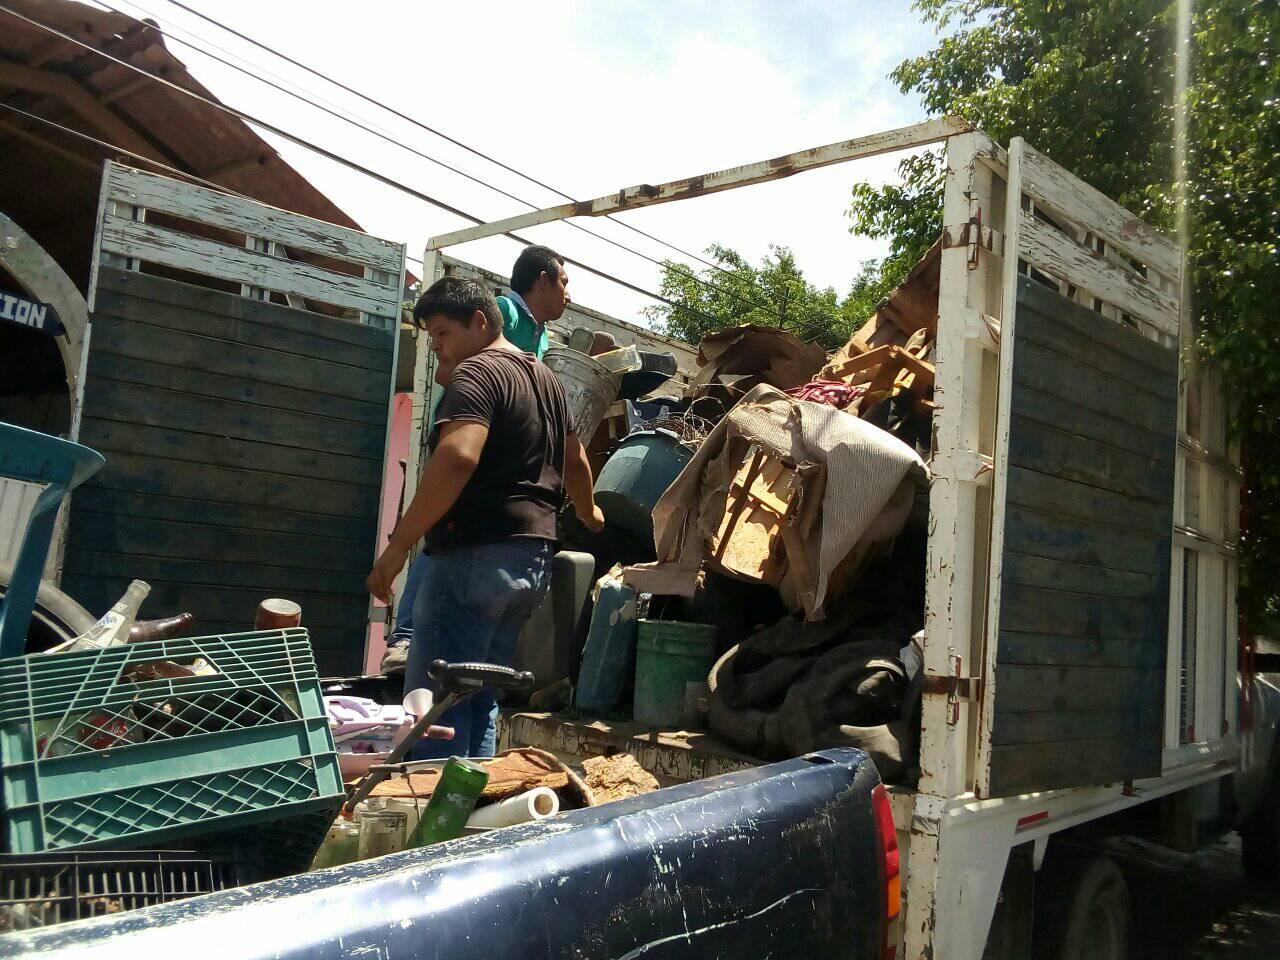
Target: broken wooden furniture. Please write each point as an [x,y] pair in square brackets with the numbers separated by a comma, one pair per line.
[784,492]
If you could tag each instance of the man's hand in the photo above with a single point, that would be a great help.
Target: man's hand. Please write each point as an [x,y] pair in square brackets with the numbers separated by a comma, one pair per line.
[594,520]
[385,571]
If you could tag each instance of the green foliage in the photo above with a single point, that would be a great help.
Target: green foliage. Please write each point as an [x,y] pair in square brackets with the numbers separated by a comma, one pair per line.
[1090,82]
[774,294]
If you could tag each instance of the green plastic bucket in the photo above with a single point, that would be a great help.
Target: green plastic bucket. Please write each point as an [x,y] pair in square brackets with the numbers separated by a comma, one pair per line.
[669,655]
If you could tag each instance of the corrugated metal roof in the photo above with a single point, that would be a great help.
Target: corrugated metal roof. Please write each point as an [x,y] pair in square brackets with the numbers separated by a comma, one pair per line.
[49,180]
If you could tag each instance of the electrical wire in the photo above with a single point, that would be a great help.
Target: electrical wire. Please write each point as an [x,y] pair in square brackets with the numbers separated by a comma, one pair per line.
[334,157]
[168,33]
[432,130]
[116,148]
[175,171]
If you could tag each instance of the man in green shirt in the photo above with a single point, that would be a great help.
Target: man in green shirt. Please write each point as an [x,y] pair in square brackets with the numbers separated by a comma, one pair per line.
[539,295]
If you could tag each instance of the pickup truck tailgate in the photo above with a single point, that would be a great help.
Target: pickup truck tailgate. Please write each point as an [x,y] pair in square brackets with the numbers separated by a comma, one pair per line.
[779,861]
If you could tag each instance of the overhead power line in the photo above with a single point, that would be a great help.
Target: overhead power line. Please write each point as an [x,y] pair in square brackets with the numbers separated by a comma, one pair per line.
[116,148]
[326,153]
[429,129]
[168,33]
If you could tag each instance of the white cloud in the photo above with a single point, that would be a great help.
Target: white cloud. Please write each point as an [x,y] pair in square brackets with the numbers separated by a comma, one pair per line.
[589,97]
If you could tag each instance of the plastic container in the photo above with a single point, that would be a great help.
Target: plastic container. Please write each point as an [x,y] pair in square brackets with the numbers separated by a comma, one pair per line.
[669,655]
[550,644]
[636,475]
[412,810]
[381,832]
[588,385]
[609,656]
[340,845]
[90,755]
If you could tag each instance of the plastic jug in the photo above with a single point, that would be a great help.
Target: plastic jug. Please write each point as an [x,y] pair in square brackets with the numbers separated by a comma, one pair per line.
[609,657]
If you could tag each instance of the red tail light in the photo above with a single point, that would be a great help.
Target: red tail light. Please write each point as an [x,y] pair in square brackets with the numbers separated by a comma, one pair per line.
[889,855]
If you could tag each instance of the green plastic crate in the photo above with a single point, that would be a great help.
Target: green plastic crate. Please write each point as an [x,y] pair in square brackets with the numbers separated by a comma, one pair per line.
[94,754]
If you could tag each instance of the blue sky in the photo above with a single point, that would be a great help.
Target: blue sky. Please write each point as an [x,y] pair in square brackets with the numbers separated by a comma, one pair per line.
[591,97]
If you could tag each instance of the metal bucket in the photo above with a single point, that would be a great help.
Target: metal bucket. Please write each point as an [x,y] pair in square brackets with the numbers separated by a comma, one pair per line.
[588,386]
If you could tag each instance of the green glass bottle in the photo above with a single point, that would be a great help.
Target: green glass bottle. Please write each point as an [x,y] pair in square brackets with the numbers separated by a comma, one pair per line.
[451,804]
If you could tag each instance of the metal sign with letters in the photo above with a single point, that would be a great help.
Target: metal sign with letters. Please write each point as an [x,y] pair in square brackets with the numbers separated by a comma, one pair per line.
[29,313]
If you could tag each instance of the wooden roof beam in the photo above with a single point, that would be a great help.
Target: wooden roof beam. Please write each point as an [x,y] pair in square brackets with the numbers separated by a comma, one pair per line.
[79,160]
[137,82]
[236,166]
[81,102]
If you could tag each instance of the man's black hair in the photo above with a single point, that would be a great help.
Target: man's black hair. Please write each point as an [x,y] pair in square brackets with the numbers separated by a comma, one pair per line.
[457,298]
[531,264]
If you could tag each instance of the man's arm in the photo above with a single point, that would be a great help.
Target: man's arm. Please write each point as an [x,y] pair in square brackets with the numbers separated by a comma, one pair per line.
[446,473]
[579,485]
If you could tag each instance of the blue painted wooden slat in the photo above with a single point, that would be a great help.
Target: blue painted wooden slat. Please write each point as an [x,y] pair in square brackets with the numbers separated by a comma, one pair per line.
[244,444]
[1081,640]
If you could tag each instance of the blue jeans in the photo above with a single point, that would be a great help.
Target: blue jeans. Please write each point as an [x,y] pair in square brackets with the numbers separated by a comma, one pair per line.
[403,631]
[470,607]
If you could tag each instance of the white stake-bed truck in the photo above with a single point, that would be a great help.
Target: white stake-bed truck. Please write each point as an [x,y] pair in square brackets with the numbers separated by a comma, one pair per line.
[1082,661]
[1083,674]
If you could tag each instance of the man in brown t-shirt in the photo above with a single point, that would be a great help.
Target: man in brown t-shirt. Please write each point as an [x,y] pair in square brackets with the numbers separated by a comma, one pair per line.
[504,459]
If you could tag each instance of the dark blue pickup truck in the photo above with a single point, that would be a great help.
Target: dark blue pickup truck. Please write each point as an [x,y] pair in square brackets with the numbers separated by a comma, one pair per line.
[796,859]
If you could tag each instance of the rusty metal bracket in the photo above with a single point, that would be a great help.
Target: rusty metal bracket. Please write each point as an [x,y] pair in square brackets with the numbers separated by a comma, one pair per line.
[974,235]
[955,687]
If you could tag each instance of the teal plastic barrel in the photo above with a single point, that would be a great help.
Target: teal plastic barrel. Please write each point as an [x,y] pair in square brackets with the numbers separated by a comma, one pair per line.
[669,655]
[636,476]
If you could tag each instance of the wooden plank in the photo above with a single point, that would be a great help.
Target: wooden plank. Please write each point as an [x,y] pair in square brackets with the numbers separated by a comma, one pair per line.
[102,533]
[123,504]
[1065,414]
[1026,689]
[203,205]
[1049,495]
[1070,379]
[1074,577]
[133,403]
[1051,185]
[1032,767]
[245,334]
[863,361]
[1061,613]
[1061,726]
[151,244]
[1052,251]
[1053,333]
[222,604]
[189,296]
[175,478]
[1048,650]
[1051,320]
[110,366]
[1085,460]
[113,436]
[1075,541]
[144,342]
[285,581]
